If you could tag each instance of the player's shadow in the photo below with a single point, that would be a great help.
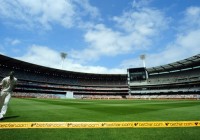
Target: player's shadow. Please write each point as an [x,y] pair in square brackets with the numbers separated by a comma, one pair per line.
[9,117]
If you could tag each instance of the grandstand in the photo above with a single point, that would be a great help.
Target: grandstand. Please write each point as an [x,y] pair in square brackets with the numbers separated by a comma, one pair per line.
[43,82]
[180,80]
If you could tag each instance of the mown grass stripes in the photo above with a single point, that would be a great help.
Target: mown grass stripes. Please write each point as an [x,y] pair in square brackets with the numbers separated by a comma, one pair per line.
[48,110]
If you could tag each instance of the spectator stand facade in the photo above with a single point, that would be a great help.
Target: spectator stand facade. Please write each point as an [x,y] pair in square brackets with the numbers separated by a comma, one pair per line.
[44,82]
[180,80]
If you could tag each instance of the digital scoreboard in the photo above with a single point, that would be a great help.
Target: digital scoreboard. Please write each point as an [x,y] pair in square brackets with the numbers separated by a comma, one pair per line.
[137,74]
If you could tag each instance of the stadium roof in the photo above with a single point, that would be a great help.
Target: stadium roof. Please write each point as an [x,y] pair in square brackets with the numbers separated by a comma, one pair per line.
[18,64]
[187,63]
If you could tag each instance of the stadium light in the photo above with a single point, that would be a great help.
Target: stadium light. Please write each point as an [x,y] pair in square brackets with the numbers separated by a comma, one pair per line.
[143,57]
[63,56]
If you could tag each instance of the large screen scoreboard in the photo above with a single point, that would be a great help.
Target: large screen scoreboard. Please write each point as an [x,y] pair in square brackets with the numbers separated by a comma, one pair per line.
[137,74]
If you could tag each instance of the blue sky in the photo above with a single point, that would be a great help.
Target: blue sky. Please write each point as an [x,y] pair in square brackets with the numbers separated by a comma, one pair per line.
[99,36]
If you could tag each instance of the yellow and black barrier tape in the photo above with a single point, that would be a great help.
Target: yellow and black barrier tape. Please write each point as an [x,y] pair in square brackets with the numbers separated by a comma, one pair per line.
[158,124]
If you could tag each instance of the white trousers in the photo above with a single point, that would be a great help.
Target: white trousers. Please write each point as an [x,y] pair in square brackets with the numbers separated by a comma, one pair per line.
[4,100]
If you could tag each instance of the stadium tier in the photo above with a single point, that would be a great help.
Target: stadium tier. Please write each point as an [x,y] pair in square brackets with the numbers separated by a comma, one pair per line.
[180,79]
[40,81]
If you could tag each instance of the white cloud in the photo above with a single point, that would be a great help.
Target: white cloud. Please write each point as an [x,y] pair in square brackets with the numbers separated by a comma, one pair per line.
[146,21]
[12,42]
[44,13]
[135,30]
[15,42]
[10,45]
[192,15]
[140,3]
[183,47]
[186,43]
[88,8]
[69,65]
[105,41]
[42,55]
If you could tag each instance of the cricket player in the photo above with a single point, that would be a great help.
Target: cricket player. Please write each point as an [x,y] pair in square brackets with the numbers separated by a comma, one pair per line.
[7,86]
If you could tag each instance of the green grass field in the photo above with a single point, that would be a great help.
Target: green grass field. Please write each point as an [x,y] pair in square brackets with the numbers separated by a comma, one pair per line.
[60,110]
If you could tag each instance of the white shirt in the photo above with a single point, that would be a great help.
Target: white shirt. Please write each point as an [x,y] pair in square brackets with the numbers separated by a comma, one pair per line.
[8,84]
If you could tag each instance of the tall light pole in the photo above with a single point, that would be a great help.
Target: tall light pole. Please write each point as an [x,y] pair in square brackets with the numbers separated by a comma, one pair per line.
[142,57]
[63,56]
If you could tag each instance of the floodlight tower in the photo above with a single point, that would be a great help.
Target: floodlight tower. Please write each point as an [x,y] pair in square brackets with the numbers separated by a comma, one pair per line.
[143,57]
[63,56]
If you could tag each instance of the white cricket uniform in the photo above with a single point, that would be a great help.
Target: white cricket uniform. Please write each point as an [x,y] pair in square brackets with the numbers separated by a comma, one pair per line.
[5,95]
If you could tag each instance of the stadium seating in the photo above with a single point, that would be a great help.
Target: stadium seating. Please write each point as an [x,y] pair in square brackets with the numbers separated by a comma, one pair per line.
[38,81]
[178,80]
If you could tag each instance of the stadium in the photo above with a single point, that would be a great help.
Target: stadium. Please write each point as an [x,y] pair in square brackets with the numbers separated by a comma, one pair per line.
[164,93]
[178,80]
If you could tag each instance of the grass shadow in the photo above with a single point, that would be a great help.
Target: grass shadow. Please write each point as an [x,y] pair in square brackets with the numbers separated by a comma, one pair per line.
[9,117]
